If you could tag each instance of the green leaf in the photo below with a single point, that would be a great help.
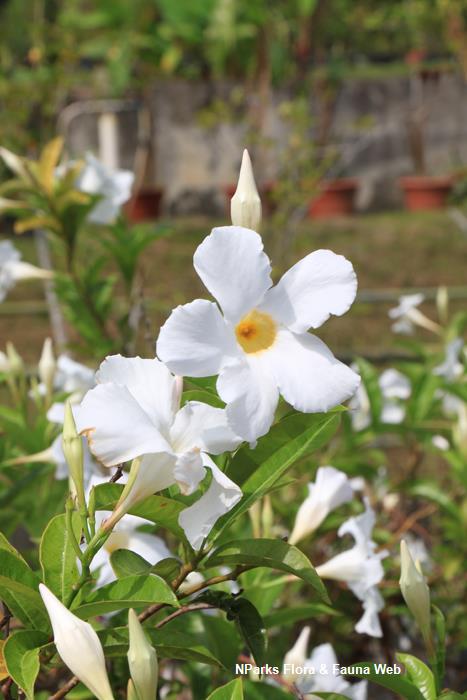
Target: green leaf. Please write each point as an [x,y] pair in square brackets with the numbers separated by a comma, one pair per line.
[400,685]
[273,554]
[255,690]
[124,562]
[420,675]
[431,491]
[21,654]
[231,691]
[5,544]
[331,696]
[168,568]
[251,626]
[168,644]
[129,592]
[370,381]
[289,616]
[256,471]
[19,589]
[162,511]
[58,557]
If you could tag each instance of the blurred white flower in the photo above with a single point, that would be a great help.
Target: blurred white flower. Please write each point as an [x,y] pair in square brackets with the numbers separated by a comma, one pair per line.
[324,680]
[440,442]
[259,344]
[395,387]
[126,535]
[78,646]
[407,315]
[331,489]
[360,567]
[13,270]
[451,368]
[134,411]
[114,187]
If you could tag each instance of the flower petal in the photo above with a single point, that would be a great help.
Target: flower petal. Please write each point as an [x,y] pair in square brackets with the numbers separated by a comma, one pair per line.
[116,426]
[189,471]
[222,495]
[234,268]
[308,375]
[203,426]
[195,340]
[251,396]
[155,473]
[149,382]
[321,284]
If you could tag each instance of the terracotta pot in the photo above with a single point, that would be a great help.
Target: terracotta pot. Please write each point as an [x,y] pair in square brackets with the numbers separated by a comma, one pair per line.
[423,192]
[336,198]
[145,205]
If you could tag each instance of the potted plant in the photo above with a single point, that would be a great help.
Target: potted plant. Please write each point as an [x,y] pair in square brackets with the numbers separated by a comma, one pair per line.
[421,190]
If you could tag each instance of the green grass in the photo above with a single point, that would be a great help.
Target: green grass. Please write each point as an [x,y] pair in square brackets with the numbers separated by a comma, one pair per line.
[389,251]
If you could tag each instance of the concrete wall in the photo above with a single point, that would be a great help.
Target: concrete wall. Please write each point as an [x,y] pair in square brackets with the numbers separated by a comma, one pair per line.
[194,163]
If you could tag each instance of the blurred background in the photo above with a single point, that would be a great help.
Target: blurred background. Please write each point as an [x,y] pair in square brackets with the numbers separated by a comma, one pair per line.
[354,113]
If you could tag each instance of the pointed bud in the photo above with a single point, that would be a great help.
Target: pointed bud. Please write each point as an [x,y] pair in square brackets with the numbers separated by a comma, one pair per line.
[142,660]
[415,592]
[72,445]
[15,361]
[78,646]
[47,366]
[4,363]
[245,206]
[131,693]
[297,655]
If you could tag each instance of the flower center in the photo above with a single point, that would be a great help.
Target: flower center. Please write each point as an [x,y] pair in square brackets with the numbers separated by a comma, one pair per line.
[256,331]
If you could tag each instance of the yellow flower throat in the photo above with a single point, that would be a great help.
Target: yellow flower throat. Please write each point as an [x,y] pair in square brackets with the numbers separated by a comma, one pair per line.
[256,331]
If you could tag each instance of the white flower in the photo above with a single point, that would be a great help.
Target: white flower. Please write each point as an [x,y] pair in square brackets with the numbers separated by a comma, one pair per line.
[331,489]
[126,535]
[360,567]
[323,660]
[134,412]
[451,368]
[440,442]
[407,315]
[259,344]
[113,186]
[13,270]
[78,646]
[72,378]
[394,387]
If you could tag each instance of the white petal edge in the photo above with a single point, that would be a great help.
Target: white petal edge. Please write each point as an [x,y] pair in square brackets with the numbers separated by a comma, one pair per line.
[116,426]
[222,495]
[149,382]
[320,285]
[195,340]
[202,426]
[233,266]
[308,375]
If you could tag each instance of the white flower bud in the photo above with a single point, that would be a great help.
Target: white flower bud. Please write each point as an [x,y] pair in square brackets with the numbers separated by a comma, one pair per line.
[297,655]
[4,363]
[47,366]
[245,205]
[72,445]
[78,646]
[415,591]
[15,362]
[142,660]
